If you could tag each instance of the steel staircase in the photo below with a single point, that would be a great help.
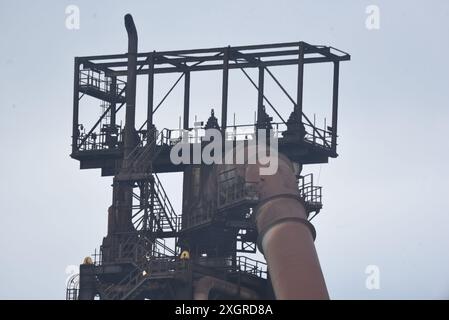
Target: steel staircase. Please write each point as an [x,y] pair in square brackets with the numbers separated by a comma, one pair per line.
[138,167]
[140,160]
[168,220]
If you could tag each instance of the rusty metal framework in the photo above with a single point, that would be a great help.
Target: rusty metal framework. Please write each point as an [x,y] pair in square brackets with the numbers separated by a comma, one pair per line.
[150,250]
[104,78]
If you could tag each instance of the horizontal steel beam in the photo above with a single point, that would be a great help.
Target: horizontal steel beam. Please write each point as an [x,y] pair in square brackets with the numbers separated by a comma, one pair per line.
[180,58]
[285,62]
[198,51]
[165,59]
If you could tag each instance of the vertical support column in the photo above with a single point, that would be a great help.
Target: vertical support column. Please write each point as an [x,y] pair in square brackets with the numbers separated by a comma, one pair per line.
[150,94]
[113,90]
[299,93]
[186,99]
[224,96]
[260,96]
[335,106]
[75,132]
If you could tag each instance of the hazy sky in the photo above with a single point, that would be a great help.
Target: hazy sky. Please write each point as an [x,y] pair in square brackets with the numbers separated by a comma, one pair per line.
[385,198]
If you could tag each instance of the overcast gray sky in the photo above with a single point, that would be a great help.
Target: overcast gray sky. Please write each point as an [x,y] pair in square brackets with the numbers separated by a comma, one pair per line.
[385,198]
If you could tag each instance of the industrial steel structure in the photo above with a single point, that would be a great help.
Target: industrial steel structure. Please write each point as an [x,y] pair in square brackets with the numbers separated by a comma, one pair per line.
[228,211]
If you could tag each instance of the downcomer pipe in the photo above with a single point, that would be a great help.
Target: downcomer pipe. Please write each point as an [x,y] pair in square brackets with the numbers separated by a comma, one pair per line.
[286,237]
[203,286]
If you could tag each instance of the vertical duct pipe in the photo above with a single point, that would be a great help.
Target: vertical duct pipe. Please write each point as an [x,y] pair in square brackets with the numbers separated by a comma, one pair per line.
[120,217]
[130,131]
[286,237]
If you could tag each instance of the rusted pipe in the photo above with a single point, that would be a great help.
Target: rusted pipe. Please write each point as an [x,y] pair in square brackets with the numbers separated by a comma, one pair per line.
[286,238]
[203,286]
[130,134]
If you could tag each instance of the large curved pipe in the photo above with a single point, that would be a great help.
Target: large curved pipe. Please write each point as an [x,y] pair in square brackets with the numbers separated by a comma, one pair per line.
[203,286]
[129,139]
[286,238]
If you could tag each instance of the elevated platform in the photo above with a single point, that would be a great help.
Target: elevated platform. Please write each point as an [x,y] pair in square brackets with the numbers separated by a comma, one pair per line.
[104,78]
[315,147]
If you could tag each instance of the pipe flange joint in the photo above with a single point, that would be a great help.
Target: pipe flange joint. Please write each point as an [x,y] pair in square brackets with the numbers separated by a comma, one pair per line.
[282,220]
